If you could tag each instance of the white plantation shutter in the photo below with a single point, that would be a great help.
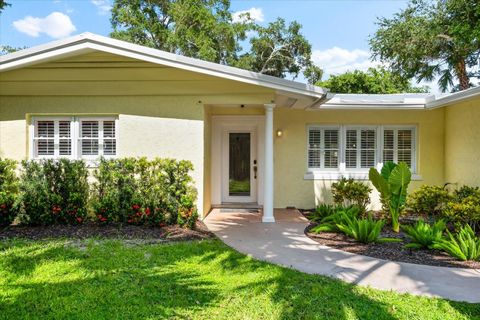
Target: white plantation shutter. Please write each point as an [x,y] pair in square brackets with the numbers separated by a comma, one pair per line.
[368,149]
[388,145]
[52,138]
[89,137]
[323,148]
[353,148]
[314,142]
[109,138]
[45,138]
[65,138]
[330,148]
[98,138]
[73,138]
[399,145]
[360,148]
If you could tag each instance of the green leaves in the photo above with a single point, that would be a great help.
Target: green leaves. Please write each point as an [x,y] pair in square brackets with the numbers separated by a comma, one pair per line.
[464,245]
[363,230]
[205,29]
[423,235]
[392,185]
[431,39]
[373,81]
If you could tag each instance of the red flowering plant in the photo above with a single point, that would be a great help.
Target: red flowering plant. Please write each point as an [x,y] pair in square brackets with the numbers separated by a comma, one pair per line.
[8,191]
[53,192]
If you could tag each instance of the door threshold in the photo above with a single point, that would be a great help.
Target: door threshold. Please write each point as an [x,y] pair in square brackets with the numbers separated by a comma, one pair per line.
[236,205]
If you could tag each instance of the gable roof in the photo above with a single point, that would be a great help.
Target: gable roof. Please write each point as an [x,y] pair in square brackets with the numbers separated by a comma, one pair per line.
[88,42]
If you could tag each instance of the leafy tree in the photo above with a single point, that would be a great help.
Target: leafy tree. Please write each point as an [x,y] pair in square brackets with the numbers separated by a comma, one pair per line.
[196,28]
[429,39]
[3,4]
[375,80]
[6,49]
[280,50]
[204,29]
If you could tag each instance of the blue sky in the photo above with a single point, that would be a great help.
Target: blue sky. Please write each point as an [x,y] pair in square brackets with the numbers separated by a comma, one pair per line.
[338,30]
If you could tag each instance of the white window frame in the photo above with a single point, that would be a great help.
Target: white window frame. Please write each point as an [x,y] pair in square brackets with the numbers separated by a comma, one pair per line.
[74,136]
[359,173]
[322,129]
[395,129]
[100,137]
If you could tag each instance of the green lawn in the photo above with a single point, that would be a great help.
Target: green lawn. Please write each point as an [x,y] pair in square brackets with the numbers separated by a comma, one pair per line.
[61,279]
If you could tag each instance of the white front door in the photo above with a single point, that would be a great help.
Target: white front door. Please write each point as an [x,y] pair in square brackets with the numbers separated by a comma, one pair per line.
[240,167]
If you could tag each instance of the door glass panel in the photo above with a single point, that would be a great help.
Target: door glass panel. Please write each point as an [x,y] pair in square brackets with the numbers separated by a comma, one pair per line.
[239,164]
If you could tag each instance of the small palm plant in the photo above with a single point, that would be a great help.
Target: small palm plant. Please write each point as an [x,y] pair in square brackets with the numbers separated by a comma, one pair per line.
[464,245]
[336,216]
[423,235]
[365,230]
[392,183]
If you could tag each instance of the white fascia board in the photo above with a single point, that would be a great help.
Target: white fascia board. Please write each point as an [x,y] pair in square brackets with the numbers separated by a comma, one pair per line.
[376,101]
[370,106]
[454,97]
[81,43]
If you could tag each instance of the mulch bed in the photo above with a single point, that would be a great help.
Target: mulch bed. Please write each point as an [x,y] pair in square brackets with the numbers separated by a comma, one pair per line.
[110,231]
[389,251]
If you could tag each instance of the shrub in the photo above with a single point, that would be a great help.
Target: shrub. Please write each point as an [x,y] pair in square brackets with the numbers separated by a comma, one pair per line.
[365,230]
[8,191]
[330,222]
[464,210]
[424,235]
[53,192]
[392,184]
[141,191]
[321,211]
[348,192]
[466,191]
[428,200]
[464,245]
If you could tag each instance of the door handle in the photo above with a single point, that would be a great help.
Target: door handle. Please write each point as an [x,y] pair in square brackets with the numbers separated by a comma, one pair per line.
[255,172]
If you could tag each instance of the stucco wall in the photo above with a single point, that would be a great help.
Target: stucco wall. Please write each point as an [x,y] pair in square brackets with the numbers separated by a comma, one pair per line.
[462,143]
[291,189]
[168,127]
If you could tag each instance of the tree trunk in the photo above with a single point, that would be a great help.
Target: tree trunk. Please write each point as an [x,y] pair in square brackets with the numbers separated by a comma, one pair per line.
[461,71]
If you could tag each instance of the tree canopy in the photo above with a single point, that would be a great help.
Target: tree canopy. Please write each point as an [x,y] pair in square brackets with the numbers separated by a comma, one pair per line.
[431,39]
[3,4]
[373,81]
[205,29]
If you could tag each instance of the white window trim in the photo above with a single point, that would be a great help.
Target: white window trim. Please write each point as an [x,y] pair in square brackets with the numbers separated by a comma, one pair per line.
[74,136]
[322,147]
[358,174]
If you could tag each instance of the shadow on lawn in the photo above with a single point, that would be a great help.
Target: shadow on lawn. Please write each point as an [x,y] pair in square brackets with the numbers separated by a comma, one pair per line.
[114,281]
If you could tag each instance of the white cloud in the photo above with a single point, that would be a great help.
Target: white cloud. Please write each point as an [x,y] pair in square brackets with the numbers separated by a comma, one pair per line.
[104,6]
[256,14]
[56,25]
[338,60]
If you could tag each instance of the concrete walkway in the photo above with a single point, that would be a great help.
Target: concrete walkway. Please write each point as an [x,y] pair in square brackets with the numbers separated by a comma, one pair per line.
[285,243]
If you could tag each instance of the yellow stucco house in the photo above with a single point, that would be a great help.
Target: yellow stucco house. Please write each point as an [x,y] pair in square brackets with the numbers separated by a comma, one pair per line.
[253,139]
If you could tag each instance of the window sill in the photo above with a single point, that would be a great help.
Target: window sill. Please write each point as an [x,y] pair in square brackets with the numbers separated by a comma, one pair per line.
[335,175]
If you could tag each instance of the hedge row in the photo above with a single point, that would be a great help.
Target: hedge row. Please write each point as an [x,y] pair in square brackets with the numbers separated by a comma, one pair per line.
[128,190]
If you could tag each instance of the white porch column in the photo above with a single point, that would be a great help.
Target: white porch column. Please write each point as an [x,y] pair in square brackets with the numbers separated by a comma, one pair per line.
[268,167]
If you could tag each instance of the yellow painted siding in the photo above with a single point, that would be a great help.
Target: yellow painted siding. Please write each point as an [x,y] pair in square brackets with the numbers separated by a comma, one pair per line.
[291,189]
[462,143]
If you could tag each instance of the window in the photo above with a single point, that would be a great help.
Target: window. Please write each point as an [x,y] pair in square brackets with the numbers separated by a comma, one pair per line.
[76,138]
[358,148]
[52,138]
[399,145]
[323,148]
